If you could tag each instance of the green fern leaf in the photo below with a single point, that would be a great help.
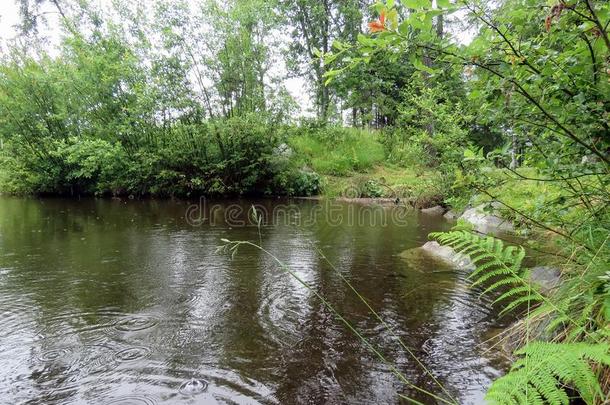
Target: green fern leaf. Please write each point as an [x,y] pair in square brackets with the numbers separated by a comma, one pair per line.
[495,263]
[544,371]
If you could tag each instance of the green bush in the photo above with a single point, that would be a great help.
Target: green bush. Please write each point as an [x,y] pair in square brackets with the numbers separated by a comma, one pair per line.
[68,166]
[240,155]
[296,182]
[372,188]
[92,166]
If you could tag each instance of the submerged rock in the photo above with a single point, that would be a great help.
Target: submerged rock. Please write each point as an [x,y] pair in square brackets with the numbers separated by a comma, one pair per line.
[486,222]
[436,210]
[422,260]
[448,255]
[546,277]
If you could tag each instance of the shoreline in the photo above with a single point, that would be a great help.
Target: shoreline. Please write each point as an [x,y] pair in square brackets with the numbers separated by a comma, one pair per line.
[321,197]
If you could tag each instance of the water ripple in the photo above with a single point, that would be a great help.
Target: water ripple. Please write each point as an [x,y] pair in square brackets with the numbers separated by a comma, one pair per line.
[54,355]
[193,387]
[132,353]
[135,323]
[131,400]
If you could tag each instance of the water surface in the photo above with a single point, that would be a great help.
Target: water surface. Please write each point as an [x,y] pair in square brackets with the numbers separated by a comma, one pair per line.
[128,302]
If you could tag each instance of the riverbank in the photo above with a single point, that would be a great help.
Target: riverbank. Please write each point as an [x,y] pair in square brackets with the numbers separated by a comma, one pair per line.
[239,156]
[248,157]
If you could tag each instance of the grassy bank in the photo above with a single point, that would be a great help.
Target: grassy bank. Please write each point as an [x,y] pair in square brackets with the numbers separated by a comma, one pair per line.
[355,163]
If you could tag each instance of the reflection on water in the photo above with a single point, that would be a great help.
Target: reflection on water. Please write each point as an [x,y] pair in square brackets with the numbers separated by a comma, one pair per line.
[124,302]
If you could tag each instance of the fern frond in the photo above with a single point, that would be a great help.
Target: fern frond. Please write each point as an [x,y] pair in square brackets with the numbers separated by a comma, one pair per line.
[556,322]
[497,271]
[494,262]
[541,375]
[526,299]
[524,289]
[544,370]
[501,283]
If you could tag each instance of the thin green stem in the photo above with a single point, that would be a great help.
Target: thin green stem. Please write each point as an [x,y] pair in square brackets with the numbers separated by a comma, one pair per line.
[385,324]
[234,245]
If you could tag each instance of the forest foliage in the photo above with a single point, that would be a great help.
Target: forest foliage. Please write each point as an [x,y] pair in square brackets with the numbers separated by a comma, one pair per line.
[188,98]
[183,99]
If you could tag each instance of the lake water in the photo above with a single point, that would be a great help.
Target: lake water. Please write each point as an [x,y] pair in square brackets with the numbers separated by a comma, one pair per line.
[128,302]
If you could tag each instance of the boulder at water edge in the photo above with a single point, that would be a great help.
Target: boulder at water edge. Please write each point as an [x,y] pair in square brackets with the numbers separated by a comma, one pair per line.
[444,258]
[486,222]
[436,210]
[448,255]
[546,277]
[451,215]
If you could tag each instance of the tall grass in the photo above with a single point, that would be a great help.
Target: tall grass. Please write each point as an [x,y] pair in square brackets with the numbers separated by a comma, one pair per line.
[338,151]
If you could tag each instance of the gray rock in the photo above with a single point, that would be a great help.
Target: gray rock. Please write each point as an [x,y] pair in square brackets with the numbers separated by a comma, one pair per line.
[436,210]
[447,255]
[546,277]
[486,222]
[451,214]
[496,205]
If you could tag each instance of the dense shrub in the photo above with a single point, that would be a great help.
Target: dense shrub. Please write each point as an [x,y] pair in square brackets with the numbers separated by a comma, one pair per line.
[67,166]
[240,155]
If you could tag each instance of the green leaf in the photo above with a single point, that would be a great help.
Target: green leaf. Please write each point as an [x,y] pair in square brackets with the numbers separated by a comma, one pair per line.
[364,40]
[392,17]
[469,154]
[417,4]
[418,64]
[403,27]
